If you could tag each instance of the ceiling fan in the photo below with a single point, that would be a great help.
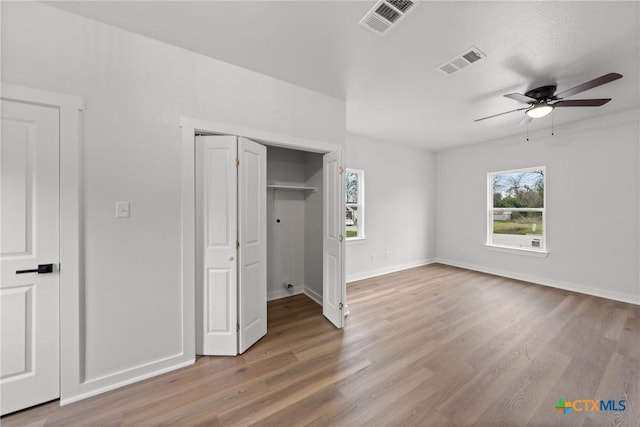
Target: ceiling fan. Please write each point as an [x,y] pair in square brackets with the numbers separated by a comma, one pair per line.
[542,100]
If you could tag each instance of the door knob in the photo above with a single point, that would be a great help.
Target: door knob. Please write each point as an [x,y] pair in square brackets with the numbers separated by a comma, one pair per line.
[42,269]
[231,258]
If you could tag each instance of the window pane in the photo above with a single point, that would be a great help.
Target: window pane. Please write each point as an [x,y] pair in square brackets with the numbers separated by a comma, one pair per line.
[519,229]
[352,187]
[519,189]
[351,221]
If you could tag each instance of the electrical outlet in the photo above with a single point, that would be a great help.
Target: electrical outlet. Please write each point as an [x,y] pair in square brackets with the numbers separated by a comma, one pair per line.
[123,209]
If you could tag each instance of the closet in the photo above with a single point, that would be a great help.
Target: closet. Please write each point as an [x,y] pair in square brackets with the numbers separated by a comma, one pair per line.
[294,223]
[268,224]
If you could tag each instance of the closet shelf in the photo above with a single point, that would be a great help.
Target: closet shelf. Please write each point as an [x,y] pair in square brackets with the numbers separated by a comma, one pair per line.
[292,187]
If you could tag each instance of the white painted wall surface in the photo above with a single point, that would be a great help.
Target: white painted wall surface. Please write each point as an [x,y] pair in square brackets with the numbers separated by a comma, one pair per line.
[313,226]
[592,205]
[135,90]
[399,209]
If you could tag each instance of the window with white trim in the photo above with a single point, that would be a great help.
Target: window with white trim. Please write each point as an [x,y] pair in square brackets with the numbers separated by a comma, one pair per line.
[354,216]
[516,214]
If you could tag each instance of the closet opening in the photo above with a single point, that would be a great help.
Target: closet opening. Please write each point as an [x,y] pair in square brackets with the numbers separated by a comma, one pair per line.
[294,223]
[266,214]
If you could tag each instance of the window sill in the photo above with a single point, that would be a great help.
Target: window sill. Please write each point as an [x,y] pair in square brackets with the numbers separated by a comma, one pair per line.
[518,251]
[355,241]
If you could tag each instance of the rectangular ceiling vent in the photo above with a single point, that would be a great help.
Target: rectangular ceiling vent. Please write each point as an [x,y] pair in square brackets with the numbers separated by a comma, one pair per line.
[466,58]
[386,14]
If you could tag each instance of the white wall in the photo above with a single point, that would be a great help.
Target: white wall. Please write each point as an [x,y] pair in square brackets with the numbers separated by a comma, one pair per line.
[399,209]
[135,91]
[592,185]
[313,209]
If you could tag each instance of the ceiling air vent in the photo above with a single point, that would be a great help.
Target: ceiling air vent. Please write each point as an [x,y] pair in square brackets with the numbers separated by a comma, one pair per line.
[401,5]
[386,14]
[461,61]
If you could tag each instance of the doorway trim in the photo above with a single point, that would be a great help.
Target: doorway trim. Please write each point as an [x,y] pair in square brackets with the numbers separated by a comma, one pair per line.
[69,108]
[190,127]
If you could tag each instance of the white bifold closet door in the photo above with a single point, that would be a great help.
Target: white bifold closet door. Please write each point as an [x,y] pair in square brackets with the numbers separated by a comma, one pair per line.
[252,233]
[231,251]
[333,274]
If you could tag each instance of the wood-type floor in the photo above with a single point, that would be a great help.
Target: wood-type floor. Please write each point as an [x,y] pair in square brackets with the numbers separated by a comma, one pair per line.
[430,346]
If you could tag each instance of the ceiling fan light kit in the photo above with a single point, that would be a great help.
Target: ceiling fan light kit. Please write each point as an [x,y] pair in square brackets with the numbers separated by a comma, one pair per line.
[543,100]
[539,110]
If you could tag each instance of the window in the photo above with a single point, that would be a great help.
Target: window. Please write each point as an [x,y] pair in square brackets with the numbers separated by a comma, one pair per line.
[516,214]
[354,217]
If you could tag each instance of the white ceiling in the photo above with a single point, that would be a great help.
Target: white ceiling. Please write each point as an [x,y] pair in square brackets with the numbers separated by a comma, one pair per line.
[391,84]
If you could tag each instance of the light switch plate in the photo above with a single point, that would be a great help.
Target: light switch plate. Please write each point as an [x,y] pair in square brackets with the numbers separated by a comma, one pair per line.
[123,209]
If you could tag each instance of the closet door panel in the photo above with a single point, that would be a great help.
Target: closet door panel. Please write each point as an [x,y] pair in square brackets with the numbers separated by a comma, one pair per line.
[216,247]
[333,280]
[252,193]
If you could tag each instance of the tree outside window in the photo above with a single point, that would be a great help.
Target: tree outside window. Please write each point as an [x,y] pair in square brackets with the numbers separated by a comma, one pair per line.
[354,215]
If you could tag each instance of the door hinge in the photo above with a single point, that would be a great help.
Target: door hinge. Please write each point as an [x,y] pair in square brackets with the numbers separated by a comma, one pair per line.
[340,306]
[237,162]
[237,244]
[341,170]
[237,327]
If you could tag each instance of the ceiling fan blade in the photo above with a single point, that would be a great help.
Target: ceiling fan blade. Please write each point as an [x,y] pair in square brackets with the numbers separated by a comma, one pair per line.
[582,102]
[526,119]
[520,97]
[500,114]
[590,84]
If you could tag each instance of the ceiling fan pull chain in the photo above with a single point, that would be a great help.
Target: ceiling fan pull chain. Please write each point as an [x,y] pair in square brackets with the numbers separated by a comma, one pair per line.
[527,131]
[552,123]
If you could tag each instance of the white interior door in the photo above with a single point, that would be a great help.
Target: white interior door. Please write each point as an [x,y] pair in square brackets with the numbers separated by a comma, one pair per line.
[252,208]
[29,214]
[333,278]
[216,245]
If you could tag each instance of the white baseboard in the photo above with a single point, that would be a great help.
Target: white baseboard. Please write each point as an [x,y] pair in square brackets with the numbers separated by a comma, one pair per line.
[387,270]
[283,293]
[313,295]
[100,390]
[298,289]
[567,286]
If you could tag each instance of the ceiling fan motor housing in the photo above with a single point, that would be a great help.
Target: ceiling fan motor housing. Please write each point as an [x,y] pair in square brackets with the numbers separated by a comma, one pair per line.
[542,93]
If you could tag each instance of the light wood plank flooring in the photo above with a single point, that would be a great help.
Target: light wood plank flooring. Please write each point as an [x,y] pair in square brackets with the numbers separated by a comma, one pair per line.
[430,346]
